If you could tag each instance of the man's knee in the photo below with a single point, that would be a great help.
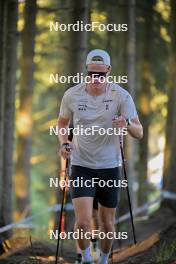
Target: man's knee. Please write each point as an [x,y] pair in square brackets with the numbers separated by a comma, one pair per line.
[83,223]
[107,225]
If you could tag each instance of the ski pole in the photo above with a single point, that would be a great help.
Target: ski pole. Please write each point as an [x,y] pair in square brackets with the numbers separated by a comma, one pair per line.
[62,209]
[128,193]
[63,220]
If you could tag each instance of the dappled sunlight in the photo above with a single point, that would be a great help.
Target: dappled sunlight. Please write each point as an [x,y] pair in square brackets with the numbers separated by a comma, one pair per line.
[158,100]
[20,23]
[155,169]
[144,104]
[40,114]
[21,185]
[99,17]
[47,125]
[163,8]
[165,35]
[24,122]
[38,158]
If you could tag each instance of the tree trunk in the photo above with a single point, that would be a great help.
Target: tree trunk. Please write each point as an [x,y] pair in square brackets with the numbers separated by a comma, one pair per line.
[78,40]
[75,42]
[3,17]
[144,99]
[169,174]
[8,77]
[131,53]
[117,47]
[24,116]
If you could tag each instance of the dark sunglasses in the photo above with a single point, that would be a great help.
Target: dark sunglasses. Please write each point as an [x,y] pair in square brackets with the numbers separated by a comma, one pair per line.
[97,74]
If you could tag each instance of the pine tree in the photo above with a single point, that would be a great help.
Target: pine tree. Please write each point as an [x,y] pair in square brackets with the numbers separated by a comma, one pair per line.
[24,117]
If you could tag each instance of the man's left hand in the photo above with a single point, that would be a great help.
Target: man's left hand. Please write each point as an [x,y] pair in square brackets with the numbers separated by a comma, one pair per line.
[119,122]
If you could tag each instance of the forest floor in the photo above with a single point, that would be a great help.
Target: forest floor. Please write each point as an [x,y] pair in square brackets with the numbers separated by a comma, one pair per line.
[158,234]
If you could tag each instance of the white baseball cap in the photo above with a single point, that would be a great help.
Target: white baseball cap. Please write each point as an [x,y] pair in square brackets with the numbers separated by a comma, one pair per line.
[98,56]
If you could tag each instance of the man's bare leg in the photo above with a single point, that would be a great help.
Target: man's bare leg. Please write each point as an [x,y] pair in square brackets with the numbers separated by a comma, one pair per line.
[106,221]
[83,216]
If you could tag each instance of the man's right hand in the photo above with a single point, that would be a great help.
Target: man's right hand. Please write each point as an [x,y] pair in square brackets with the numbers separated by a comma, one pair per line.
[63,183]
[66,150]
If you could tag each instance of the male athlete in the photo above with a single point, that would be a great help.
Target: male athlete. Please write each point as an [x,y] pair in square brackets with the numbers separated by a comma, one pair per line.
[96,155]
[95,252]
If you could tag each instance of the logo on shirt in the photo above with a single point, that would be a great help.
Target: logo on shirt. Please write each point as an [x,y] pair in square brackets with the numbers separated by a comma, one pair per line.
[107,101]
[107,107]
[82,107]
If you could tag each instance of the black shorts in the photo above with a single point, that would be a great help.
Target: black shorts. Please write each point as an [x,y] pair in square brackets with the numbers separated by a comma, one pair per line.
[107,193]
[95,201]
